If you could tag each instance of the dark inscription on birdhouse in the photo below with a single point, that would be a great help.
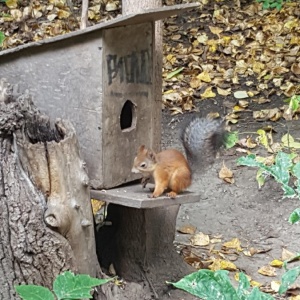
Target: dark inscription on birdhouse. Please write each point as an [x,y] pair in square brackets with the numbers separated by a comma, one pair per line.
[132,68]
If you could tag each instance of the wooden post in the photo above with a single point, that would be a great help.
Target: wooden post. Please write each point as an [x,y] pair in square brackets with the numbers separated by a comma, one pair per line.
[135,6]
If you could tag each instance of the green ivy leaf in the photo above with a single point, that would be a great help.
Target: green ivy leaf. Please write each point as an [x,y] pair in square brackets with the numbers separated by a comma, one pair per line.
[208,285]
[280,170]
[34,292]
[288,278]
[244,284]
[295,216]
[70,286]
[174,73]
[231,139]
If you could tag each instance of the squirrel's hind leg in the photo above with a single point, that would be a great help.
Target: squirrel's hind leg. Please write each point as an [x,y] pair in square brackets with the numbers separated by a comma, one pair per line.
[161,180]
[180,180]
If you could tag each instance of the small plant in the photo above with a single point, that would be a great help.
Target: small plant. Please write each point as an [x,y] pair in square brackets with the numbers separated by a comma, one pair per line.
[210,285]
[281,170]
[2,38]
[65,286]
[270,4]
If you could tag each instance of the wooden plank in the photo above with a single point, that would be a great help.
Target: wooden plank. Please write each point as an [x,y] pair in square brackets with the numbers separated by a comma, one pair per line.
[135,196]
[127,75]
[130,19]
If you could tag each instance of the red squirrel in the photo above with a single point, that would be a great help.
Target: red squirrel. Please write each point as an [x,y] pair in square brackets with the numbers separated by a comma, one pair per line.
[201,138]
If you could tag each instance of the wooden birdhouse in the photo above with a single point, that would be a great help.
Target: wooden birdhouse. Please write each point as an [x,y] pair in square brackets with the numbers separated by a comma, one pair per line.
[102,80]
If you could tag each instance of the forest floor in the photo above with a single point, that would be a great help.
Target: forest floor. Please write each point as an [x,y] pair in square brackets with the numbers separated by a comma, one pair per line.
[256,217]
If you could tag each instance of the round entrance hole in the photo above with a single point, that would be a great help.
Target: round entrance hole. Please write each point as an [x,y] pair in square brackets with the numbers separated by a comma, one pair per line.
[128,116]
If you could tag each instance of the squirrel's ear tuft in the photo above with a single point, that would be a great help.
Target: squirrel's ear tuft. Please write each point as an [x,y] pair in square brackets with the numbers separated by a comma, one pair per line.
[151,154]
[141,148]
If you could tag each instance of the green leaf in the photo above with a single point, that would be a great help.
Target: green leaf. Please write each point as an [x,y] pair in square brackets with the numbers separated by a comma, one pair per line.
[244,284]
[295,216]
[70,286]
[34,292]
[294,101]
[288,278]
[208,285]
[2,38]
[280,170]
[260,178]
[174,73]
[231,139]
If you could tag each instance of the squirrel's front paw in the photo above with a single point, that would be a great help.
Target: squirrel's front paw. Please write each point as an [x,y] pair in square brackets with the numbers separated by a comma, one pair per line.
[144,181]
[172,195]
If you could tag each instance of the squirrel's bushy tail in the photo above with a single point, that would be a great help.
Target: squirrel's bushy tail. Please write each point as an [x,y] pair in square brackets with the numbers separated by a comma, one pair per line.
[201,138]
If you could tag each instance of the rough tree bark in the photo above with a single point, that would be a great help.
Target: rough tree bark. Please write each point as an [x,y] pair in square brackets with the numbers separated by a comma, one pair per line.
[45,216]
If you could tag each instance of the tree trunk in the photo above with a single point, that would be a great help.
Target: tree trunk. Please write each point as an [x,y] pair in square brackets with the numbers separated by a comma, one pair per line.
[45,215]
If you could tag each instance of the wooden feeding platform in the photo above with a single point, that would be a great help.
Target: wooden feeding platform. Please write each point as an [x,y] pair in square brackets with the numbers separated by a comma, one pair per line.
[134,195]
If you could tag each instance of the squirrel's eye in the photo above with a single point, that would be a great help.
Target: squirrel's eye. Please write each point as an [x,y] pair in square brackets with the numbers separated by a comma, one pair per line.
[143,165]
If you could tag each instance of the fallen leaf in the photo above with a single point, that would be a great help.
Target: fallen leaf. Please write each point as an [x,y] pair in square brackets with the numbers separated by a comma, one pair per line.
[221,264]
[187,229]
[208,93]
[267,271]
[200,239]
[275,284]
[276,263]
[233,244]
[240,94]
[287,255]
[289,142]
[226,174]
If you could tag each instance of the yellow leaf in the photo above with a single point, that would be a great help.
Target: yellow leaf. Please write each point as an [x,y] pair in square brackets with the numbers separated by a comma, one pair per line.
[262,138]
[63,14]
[276,263]
[200,239]
[11,3]
[221,264]
[204,76]
[97,205]
[255,283]
[233,244]
[208,93]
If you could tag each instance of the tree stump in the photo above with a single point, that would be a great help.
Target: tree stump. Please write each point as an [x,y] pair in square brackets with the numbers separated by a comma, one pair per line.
[45,215]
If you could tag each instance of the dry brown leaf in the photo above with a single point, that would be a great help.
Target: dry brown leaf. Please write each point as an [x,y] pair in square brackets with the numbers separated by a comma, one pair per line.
[267,271]
[226,174]
[200,239]
[233,244]
[273,114]
[287,255]
[187,229]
